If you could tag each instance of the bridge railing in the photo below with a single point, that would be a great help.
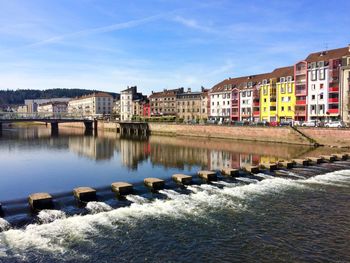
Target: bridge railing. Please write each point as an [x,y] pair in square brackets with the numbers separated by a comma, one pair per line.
[42,116]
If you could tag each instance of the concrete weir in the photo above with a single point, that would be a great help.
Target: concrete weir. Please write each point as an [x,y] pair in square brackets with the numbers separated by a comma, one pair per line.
[85,194]
[286,164]
[154,183]
[122,188]
[303,162]
[251,169]
[207,175]
[230,172]
[182,178]
[329,158]
[269,166]
[339,156]
[315,160]
[40,201]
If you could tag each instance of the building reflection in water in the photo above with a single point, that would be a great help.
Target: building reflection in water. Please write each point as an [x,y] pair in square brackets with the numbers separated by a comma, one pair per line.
[168,152]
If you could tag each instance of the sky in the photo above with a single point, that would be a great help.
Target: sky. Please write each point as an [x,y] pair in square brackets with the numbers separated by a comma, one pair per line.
[159,44]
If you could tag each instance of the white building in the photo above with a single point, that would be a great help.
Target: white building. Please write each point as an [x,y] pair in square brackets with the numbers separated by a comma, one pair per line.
[317,98]
[128,100]
[95,104]
[53,107]
[220,102]
[32,105]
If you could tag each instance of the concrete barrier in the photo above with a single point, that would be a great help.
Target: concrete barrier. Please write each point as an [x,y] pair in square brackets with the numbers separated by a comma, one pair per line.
[85,194]
[230,172]
[122,188]
[251,169]
[182,178]
[340,156]
[286,164]
[304,162]
[40,201]
[329,158]
[207,175]
[269,166]
[315,160]
[154,183]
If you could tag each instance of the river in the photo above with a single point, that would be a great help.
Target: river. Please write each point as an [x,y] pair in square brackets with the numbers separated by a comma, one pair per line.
[300,215]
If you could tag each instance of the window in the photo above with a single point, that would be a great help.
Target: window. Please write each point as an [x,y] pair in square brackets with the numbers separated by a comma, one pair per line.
[264,82]
[313,86]
[321,72]
[282,108]
[264,99]
[282,90]
[289,108]
[290,89]
[248,93]
[313,97]
[243,94]
[314,75]
[321,96]
[289,78]
[321,86]
[283,79]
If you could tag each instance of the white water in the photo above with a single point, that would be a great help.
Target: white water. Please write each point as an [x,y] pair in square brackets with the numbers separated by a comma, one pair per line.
[97,207]
[4,225]
[265,176]
[48,216]
[247,180]
[53,237]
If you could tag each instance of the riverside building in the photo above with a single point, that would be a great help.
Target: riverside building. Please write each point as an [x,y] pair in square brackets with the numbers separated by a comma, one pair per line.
[94,105]
[53,107]
[130,103]
[164,103]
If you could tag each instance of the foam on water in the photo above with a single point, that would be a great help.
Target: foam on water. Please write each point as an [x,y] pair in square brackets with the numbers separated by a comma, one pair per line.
[247,180]
[265,176]
[48,216]
[337,178]
[97,207]
[4,225]
[296,175]
[56,236]
[137,199]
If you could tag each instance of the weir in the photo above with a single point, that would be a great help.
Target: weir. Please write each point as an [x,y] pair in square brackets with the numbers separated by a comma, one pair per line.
[21,212]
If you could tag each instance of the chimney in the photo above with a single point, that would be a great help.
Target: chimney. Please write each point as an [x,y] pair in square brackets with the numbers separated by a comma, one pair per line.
[188,90]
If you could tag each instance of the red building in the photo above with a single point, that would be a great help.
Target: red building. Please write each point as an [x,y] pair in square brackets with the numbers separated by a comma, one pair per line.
[146,110]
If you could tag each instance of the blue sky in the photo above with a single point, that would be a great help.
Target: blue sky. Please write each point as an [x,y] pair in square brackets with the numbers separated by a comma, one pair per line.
[157,44]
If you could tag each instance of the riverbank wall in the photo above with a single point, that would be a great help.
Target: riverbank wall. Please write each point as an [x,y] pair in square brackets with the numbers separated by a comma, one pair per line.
[331,137]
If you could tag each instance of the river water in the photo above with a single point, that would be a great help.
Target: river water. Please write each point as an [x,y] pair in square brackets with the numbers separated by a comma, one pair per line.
[300,215]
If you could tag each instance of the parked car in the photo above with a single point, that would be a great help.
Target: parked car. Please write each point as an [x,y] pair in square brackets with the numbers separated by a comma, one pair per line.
[296,123]
[274,123]
[286,123]
[335,124]
[310,124]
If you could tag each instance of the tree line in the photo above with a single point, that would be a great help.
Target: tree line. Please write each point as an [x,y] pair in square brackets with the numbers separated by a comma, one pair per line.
[16,97]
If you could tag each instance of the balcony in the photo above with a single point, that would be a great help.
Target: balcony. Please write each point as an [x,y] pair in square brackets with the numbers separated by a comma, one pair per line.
[256,113]
[333,89]
[301,102]
[300,92]
[256,103]
[333,100]
[300,72]
[300,112]
[235,103]
[333,111]
[235,114]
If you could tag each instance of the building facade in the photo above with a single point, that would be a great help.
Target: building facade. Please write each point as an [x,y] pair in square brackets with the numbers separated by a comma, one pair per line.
[220,101]
[130,101]
[94,105]
[53,107]
[192,106]
[164,103]
[345,88]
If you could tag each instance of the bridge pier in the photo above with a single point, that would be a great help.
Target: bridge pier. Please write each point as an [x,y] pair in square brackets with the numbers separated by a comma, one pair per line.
[54,128]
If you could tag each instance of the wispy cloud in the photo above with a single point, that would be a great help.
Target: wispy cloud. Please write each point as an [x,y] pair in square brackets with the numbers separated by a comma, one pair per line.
[97,30]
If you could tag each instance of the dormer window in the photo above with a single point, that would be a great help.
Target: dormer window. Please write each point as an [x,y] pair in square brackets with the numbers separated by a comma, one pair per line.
[250,84]
[289,78]
[264,82]
[313,65]
[320,64]
[282,79]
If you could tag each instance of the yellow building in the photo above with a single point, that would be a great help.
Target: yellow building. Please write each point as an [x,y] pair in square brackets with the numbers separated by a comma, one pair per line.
[277,97]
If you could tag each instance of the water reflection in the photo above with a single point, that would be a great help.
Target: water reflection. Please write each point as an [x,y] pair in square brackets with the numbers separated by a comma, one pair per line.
[169,152]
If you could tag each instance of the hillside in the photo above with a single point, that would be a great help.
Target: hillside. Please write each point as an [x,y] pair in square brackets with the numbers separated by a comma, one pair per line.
[13,97]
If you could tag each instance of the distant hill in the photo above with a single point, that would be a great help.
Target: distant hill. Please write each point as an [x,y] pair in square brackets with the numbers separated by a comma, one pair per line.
[15,97]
